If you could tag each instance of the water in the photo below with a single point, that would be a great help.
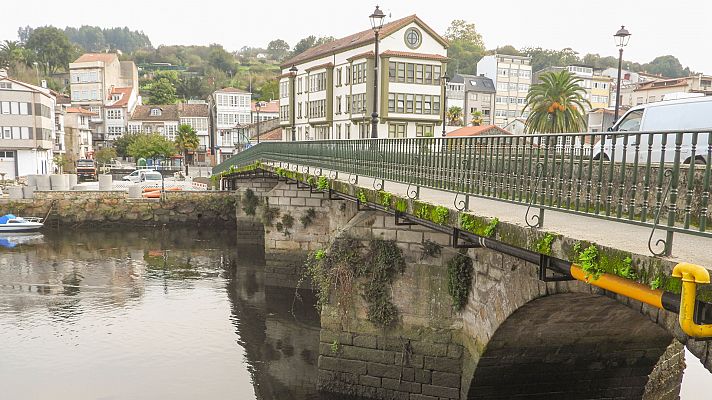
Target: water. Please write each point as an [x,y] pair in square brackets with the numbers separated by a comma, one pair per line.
[172,314]
[149,315]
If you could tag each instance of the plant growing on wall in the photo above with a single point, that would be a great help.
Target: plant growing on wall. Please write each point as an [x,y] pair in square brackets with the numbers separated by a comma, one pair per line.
[269,214]
[323,183]
[459,280]
[250,202]
[308,217]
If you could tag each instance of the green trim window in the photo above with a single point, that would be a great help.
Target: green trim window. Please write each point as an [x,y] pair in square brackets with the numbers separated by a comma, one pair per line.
[401,72]
[338,105]
[348,76]
[348,104]
[358,73]
[317,109]
[396,130]
[358,102]
[317,82]
[413,104]
[424,130]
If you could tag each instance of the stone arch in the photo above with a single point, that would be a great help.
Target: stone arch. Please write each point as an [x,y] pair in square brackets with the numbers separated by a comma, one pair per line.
[577,345]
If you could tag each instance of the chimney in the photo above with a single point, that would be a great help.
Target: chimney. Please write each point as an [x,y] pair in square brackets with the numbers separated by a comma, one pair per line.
[3,73]
[43,83]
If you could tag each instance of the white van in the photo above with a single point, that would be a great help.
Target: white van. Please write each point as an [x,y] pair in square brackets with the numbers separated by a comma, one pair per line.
[670,115]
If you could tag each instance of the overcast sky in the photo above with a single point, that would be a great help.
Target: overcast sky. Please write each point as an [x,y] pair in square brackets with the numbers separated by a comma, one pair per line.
[585,26]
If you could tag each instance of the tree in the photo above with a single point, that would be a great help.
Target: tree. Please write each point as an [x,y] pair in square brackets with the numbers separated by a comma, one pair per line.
[11,53]
[477,118]
[543,58]
[268,91]
[151,145]
[24,33]
[221,59]
[668,66]
[303,45]
[51,48]
[192,87]
[454,114]
[460,30]
[278,49]
[61,162]
[162,92]
[123,142]
[186,140]
[466,47]
[508,50]
[105,155]
[556,104]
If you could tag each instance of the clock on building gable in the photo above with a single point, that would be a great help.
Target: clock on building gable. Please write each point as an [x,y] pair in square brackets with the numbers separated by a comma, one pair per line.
[413,38]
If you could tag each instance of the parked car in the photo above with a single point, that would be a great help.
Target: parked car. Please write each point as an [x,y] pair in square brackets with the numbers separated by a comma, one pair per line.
[678,115]
[135,176]
[150,176]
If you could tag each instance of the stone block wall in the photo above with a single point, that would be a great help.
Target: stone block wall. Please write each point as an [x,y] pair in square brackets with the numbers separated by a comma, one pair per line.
[114,207]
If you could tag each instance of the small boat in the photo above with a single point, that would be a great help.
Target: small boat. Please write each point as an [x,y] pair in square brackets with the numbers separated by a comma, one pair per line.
[12,223]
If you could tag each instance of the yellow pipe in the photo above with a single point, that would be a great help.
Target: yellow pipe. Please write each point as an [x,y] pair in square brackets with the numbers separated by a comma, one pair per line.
[625,287]
[691,276]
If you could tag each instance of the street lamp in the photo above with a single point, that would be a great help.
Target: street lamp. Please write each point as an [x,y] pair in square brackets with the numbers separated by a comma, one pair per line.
[621,37]
[258,105]
[293,71]
[376,23]
[445,79]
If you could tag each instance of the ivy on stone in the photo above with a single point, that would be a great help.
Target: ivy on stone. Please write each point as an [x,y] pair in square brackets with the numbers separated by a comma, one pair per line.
[459,280]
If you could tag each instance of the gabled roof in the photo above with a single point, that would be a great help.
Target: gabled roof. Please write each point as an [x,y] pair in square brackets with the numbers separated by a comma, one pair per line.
[267,106]
[193,110]
[231,90]
[169,112]
[94,57]
[484,130]
[359,39]
[271,136]
[125,93]
[42,90]
[474,83]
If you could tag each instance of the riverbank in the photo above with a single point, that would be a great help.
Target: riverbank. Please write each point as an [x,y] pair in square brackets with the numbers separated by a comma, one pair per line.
[116,208]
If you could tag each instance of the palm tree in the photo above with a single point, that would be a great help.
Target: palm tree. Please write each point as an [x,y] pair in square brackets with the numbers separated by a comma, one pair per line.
[10,52]
[186,140]
[454,114]
[477,118]
[556,104]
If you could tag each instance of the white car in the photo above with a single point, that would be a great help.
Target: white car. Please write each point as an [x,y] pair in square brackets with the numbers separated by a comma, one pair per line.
[134,176]
[669,115]
[141,175]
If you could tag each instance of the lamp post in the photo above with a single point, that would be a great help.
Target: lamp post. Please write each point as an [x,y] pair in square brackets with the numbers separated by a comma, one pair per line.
[293,71]
[622,37]
[445,80]
[376,23]
[257,107]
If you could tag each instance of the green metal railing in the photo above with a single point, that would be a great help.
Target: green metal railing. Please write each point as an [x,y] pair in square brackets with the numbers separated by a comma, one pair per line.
[655,179]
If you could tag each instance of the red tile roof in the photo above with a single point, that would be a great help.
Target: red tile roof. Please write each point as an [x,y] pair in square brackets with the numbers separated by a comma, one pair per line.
[360,39]
[273,135]
[125,93]
[314,68]
[79,110]
[94,57]
[367,54]
[478,131]
[267,106]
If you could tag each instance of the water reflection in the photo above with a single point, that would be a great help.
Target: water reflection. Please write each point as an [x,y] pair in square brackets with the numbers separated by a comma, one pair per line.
[150,314]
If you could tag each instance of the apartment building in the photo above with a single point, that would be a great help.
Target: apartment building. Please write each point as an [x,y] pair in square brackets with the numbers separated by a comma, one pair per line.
[475,95]
[108,88]
[662,89]
[232,109]
[27,128]
[512,77]
[597,85]
[331,94]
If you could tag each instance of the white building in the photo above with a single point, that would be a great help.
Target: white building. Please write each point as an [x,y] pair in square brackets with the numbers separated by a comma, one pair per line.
[27,128]
[102,84]
[512,76]
[473,94]
[334,85]
[232,110]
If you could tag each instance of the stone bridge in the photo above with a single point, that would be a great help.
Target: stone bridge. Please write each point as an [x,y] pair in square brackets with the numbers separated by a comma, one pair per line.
[523,329]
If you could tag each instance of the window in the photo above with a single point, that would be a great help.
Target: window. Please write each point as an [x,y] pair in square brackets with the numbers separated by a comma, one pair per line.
[400,103]
[428,73]
[392,66]
[410,73]
[413,104]
[502,86]
[424,130]
[299,85]
[401,72]
[338,77]
[348,75]
[396,130]
[113,114]
[338,131]
[419,73]
[631,122]
[155,112]
[5,85]
[409,100]
[358,73]
[521,100]
[348,131]
[502,71]
[338,104]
